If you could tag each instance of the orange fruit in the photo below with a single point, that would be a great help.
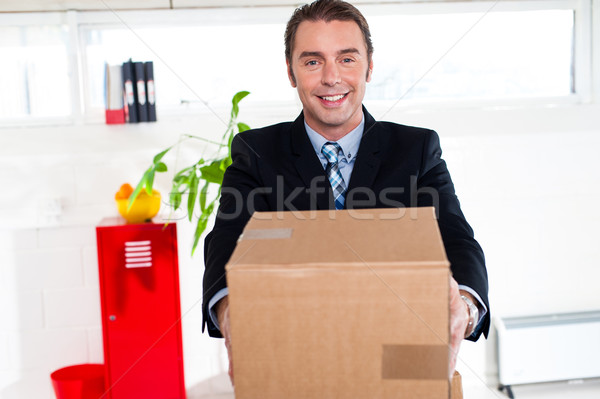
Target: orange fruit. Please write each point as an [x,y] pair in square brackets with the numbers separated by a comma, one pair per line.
[124,192]
[144,208]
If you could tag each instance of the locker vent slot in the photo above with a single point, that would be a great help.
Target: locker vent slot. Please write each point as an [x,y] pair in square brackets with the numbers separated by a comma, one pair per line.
[138,254]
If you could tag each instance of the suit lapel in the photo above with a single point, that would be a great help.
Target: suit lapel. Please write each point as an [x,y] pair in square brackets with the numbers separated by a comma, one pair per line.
[367,161]
[309,167]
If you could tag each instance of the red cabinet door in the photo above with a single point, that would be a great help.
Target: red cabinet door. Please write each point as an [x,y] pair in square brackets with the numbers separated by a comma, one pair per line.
[141,318]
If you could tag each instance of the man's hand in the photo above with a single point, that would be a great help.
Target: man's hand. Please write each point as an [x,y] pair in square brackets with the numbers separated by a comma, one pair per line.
[459,320]
[222,309]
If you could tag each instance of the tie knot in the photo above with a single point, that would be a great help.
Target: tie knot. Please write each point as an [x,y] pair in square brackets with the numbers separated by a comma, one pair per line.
[331,151]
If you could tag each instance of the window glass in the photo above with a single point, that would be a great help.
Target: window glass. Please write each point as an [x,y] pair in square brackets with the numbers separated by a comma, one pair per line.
[417,56]
[506,54]
[196,63]
[34,72]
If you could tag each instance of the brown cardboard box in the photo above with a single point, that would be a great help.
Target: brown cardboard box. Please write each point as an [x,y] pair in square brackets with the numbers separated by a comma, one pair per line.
[456,391]
[340,304]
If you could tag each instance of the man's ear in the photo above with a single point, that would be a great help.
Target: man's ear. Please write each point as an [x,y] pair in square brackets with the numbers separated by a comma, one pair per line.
[370,71]
[290,73]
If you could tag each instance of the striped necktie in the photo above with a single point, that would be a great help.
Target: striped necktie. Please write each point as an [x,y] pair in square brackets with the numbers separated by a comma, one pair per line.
[331,152]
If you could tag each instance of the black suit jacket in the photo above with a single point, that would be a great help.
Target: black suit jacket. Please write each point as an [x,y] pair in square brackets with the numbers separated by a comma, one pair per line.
[276,168]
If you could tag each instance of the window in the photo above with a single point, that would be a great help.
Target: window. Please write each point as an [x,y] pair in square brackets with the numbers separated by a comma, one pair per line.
[503,54]
[446,52]
[190,65]
[34,72]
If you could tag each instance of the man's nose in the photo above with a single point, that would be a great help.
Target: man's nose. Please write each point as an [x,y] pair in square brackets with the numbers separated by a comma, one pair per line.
[331,74]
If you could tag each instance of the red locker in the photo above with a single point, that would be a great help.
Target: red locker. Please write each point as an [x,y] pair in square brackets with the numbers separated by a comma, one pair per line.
[141,317]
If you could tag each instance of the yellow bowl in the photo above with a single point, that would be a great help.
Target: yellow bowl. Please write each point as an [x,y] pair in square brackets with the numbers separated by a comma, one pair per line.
[144,208]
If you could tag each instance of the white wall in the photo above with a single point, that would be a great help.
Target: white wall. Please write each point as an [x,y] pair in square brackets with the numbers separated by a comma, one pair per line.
[527,180]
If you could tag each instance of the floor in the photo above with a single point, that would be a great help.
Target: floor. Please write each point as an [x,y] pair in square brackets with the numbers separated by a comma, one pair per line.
[473,388]
[581,389]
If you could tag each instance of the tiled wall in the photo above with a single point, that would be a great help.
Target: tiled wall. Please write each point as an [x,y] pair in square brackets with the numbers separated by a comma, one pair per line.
[530,192]
[51,308]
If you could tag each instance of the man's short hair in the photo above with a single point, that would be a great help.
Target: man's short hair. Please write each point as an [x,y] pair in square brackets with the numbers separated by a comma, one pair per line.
[325,10]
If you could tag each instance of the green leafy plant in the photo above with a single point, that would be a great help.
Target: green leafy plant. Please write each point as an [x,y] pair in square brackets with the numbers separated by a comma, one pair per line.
[195,180]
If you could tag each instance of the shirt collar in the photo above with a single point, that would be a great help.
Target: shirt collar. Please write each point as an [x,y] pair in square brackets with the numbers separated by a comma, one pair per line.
[349,143]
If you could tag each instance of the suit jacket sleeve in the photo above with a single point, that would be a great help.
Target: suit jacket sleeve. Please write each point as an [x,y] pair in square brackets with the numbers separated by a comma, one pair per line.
[240,196]
[435,188]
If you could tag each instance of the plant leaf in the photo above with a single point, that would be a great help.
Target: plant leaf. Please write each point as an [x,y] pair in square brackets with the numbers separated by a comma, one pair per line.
[235,101]
[239,96]
[202,223]
[138,188]
[242,127]
[193,191]
[212,173]
[225,162]
[175,199]
[159,156]
[202,196]
[161,167]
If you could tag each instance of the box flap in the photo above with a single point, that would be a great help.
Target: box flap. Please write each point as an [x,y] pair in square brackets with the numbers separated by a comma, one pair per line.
[347,238]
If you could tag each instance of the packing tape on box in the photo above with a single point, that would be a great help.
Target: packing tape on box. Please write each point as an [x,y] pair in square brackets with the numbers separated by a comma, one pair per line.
[267,234]
[414,362]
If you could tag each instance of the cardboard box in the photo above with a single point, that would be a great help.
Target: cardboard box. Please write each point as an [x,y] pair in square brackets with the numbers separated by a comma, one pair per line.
[456,391]
[340,304]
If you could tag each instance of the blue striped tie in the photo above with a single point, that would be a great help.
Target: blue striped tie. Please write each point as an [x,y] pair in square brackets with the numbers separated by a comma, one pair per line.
[331,152]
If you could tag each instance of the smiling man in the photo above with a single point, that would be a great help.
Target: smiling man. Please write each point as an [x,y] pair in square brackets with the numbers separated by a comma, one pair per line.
[336,156]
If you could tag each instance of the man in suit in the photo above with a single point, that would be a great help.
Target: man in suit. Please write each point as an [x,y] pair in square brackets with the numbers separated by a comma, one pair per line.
[335,156]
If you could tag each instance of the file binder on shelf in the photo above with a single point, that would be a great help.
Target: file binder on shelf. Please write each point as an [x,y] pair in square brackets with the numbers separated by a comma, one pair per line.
[131,114]
[113,94]
[140,89]
[150,95]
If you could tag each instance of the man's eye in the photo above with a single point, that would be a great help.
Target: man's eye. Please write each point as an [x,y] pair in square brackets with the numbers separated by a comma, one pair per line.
[311,63]
[347,60]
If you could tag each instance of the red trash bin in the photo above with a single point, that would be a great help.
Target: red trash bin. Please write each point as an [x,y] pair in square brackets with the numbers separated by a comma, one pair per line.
[82,381]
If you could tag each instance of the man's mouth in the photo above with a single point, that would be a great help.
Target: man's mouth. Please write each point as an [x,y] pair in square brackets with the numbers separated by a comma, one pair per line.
[333,98]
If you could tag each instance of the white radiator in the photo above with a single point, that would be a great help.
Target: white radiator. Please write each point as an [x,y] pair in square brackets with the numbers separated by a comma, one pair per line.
[548,348]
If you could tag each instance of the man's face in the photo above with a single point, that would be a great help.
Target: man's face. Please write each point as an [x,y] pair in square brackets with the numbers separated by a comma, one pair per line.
[330,69]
